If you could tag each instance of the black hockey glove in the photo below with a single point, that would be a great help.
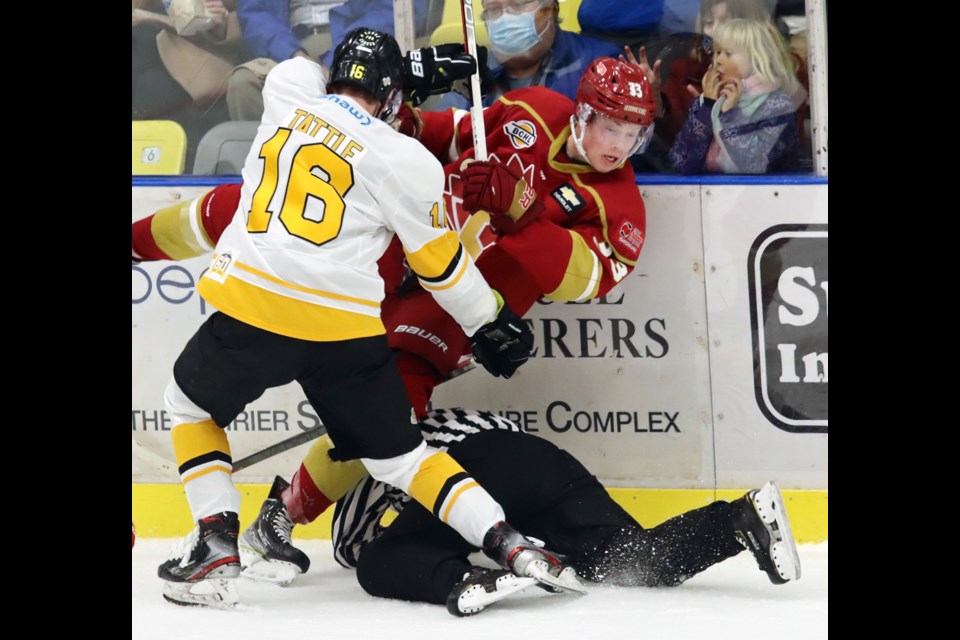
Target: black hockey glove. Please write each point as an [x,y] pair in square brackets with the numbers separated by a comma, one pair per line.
[433,70]
[503,345]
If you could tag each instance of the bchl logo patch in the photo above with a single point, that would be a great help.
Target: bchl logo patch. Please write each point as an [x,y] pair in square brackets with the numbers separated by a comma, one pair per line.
[630,236]
[569,200]
[522,133]
[788,278]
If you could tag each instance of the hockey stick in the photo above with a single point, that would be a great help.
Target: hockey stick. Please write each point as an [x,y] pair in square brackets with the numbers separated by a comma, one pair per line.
[314,433]
[284,445]
[476,109]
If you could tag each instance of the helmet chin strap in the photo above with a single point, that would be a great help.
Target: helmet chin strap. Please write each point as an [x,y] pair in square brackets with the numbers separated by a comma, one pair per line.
[578,140]
[389,107]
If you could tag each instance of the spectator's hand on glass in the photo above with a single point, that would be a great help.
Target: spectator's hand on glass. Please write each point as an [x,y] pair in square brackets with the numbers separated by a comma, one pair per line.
[652,73]
[730,90]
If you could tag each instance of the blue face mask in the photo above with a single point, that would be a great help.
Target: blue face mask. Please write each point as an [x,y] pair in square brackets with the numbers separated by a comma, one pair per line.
[511,35]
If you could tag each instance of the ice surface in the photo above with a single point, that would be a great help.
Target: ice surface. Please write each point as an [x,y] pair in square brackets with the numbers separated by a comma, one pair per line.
[733,600]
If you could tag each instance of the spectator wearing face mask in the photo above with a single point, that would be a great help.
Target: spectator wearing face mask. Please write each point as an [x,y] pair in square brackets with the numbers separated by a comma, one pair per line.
[530,49]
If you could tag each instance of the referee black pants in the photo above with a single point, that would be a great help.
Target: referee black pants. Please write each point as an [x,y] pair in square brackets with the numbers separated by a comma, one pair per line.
[546,493]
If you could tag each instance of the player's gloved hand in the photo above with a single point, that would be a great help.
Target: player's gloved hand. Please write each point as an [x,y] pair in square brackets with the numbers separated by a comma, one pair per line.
[504,344]
[487,80]
[498,190]
[408,121]
[432,70]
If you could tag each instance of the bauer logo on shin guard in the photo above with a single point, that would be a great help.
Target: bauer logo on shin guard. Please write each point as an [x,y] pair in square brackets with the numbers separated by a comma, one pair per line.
[788,311]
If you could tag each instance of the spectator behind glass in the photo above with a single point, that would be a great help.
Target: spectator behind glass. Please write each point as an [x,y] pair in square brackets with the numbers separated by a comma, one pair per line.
[680,16]
[632,22]
[745,121]
[173,73]
[689,69]
[530,49]
[184,78]
[276,30]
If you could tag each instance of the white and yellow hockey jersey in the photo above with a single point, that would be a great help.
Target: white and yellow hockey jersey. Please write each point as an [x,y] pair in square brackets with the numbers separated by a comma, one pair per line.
[325,187]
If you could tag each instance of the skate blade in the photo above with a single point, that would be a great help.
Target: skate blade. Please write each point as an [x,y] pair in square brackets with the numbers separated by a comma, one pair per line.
[784,552]
[268,571]
[475,599]
[216,593]
[539,570]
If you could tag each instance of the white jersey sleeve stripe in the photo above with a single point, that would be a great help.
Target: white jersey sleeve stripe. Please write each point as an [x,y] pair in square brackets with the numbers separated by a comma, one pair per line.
[197,227]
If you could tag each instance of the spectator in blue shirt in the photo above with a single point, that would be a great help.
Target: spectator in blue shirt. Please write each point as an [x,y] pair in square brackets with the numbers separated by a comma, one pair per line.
[632,22]
[276,30]
[530,49]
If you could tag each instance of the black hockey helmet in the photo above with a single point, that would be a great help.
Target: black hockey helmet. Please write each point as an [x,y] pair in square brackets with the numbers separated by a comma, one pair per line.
[371,60]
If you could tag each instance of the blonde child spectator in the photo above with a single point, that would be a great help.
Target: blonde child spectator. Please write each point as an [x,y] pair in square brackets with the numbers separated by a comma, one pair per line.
[745,120]
[689,69]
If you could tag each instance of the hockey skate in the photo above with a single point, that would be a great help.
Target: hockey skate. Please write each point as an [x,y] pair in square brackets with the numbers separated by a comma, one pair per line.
[266,553]
[761,525]
[202,569]
[514,551]
[481,587]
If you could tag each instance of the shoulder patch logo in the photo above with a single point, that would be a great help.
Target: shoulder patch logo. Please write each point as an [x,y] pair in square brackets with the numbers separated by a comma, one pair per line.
[568,198]
[630,236]
[521,133]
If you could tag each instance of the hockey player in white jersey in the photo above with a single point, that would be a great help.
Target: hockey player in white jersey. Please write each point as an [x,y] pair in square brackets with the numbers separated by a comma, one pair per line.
[326,185]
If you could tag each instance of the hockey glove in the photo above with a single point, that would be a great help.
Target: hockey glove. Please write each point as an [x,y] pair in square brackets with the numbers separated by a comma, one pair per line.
[408,121]
[488,82]
[432,70]
[504,344]
[492,187]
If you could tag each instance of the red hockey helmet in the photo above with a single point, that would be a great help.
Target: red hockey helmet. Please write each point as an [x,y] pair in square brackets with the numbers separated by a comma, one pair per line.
[617,90]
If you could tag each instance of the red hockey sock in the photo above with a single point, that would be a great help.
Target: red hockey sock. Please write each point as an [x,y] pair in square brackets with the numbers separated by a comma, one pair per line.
[304,501]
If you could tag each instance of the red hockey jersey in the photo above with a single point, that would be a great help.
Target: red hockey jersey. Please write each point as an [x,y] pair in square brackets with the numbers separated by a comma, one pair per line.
[588,237]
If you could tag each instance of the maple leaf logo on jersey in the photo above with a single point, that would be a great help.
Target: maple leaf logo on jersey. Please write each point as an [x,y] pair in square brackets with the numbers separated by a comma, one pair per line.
[521,133]
[568,199]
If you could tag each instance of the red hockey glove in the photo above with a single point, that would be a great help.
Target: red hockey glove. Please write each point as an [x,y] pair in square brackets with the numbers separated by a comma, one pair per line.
[492,187]
[408,121]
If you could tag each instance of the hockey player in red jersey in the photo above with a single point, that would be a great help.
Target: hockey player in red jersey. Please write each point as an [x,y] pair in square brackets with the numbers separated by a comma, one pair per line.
[554,212]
